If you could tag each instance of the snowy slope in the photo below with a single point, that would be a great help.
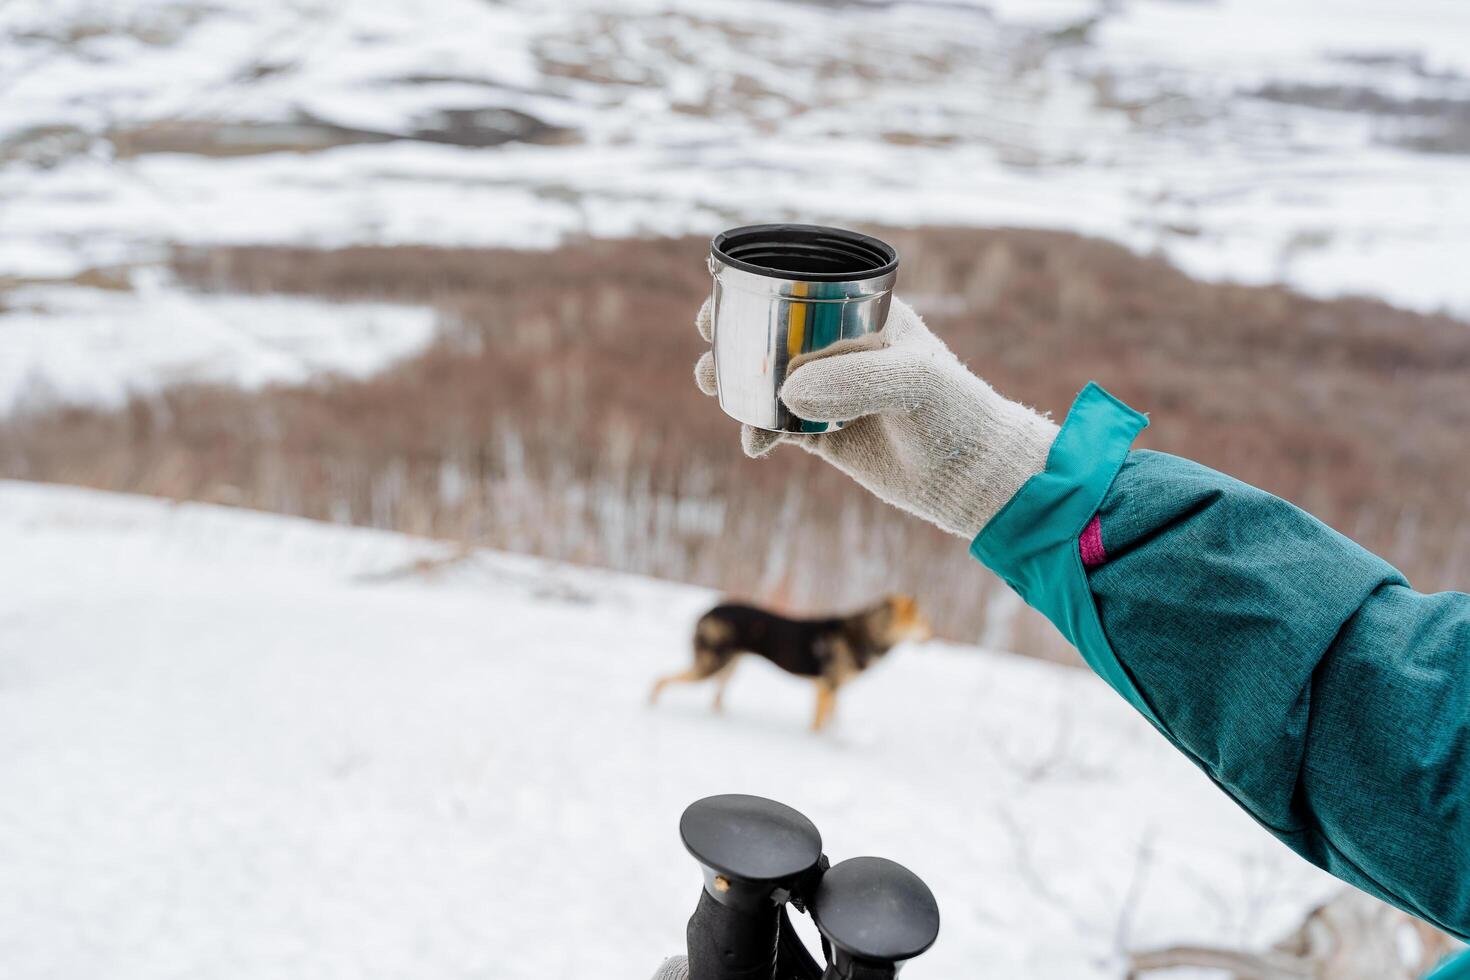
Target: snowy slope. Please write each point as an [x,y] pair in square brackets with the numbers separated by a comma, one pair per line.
[63,344]
[239,745]
[1323,143]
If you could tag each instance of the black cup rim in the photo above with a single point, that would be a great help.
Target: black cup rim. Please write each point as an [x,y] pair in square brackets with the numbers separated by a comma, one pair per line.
[805,235]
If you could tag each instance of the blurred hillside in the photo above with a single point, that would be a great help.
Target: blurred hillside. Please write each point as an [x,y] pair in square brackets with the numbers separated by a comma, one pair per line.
[1322,143]
[555,413]
[431,268]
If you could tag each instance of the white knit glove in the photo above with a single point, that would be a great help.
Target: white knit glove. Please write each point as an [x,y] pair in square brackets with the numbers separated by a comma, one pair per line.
[925,434]
[674,968]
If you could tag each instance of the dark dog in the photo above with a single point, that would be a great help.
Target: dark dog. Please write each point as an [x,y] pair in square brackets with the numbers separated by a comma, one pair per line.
[830,651]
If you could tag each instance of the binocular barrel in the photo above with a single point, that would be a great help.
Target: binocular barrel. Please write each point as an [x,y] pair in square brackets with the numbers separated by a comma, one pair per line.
[757,856]
[752,852]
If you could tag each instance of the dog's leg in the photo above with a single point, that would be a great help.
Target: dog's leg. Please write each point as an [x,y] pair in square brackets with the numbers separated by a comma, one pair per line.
[707,663]
[722,680]
[831,703]
[684,677]
[826,703]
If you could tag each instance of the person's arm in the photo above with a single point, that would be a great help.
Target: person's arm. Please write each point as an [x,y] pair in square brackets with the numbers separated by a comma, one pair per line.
[1300,672]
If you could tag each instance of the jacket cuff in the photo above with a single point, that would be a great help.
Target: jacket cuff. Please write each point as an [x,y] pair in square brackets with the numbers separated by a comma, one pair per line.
[1033,542]
[1054,507]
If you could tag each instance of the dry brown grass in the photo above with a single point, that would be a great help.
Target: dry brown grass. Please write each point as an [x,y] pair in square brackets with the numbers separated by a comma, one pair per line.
[556,414]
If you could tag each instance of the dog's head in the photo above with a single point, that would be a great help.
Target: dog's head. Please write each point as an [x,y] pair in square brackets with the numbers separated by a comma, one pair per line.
[904,620]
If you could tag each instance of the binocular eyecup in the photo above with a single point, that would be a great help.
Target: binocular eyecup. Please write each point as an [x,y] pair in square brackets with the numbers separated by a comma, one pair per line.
[757,857]
[875,914]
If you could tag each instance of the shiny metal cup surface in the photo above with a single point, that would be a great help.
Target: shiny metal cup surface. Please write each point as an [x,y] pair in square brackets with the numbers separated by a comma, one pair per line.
[784,291]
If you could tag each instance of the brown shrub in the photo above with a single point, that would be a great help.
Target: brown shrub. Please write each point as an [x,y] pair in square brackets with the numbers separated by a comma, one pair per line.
[556,413]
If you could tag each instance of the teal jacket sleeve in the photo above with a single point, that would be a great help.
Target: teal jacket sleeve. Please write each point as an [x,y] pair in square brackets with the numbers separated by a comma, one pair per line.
[1299,671]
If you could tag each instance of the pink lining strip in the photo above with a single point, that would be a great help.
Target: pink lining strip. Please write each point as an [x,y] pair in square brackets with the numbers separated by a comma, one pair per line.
[1091,544]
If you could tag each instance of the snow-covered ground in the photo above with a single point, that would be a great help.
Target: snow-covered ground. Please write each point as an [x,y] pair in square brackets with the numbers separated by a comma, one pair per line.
[64,344]
[1322,143]
[240,745]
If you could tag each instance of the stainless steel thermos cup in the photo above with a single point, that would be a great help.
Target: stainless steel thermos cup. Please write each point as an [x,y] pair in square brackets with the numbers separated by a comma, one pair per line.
[782,291]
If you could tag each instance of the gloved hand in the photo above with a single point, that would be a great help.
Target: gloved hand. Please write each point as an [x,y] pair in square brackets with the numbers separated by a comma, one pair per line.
[924,433]
[674,968]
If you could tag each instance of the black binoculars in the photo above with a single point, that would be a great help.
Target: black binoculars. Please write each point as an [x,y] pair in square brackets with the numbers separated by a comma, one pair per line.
[758,858]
